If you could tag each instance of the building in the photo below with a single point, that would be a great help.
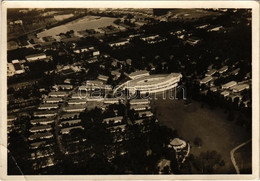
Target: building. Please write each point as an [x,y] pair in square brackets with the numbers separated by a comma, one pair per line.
[163,164]
[177,144]
[211,72]
[52,100]
[40,144]
[141,107]
[74,108]
[48,106]
[10,69]
[81,49]
[235,72]
[67,130]
[139,101]
[44,135]
[17,67]
[94,83]
[95,53]
[111,100]
[138,74]
[113,120]
[116,73]
[42,121]
[44,113]
[223,69]
[149,37]
[63,87]
[206,80]
[142,114]
[103,77]
[35,57]
[240,87]
[40,128]
[152,83]
[225,93]
[14,68]
[57,94]
[118,128]
[119,43]
[69,116]
[77,101]
[70,122]
[193,41]
[229,85]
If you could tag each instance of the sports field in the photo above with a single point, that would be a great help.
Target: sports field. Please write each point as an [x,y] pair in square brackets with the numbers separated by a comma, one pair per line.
[212,126]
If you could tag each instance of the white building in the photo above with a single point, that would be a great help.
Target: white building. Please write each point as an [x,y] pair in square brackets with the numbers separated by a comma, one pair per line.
[111,100]
[240,87]
[76,108]
[45,135]
[223,69]
[145,114]
[42,121]
[67,130]
[44,113]
[57,94]
[211,72]
[225,93]
[77,101]
[152,83]
[35,57]
[141,107]
[113,120]
[206,80]
[138,74]
[40,128]
[48,106]
[103,77]
[52,100]
[139,101]
[119,43]
[229,85]
[177,144]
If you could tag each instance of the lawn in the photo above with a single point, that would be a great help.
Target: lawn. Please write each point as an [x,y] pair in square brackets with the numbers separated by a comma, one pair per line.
[212,126]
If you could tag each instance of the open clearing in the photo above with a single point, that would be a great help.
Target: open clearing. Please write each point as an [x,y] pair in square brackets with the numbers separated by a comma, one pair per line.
[212,126]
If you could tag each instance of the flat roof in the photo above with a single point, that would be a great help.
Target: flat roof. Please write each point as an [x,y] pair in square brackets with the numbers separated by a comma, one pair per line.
[74,121]
[138,72]
[206,79]
[223,68]
[35,55]
[229,84]
[40,135]
[42,127]
[70,128]
[48,105]
[154,79]
[41,120]
[69,115]
[44,112]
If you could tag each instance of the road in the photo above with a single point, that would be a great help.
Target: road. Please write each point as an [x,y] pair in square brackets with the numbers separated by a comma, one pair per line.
[232,154]
[57,119]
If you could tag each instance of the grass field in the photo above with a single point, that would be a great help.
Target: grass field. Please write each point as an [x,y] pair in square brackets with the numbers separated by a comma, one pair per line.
[212,126]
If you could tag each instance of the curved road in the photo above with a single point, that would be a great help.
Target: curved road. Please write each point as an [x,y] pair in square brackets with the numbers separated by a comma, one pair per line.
[232,154]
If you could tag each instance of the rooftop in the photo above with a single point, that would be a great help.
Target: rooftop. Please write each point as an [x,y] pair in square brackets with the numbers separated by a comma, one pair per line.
[35,55]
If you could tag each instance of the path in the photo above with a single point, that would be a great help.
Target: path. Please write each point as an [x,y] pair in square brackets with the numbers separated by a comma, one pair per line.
[232,154]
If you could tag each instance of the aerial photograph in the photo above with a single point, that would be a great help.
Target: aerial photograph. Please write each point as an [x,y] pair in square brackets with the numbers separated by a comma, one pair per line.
[130,91]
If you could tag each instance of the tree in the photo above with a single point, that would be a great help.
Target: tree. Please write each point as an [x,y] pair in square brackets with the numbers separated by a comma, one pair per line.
[198,142]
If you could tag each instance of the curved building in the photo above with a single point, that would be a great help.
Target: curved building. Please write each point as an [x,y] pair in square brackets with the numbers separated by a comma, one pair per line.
[153,83]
